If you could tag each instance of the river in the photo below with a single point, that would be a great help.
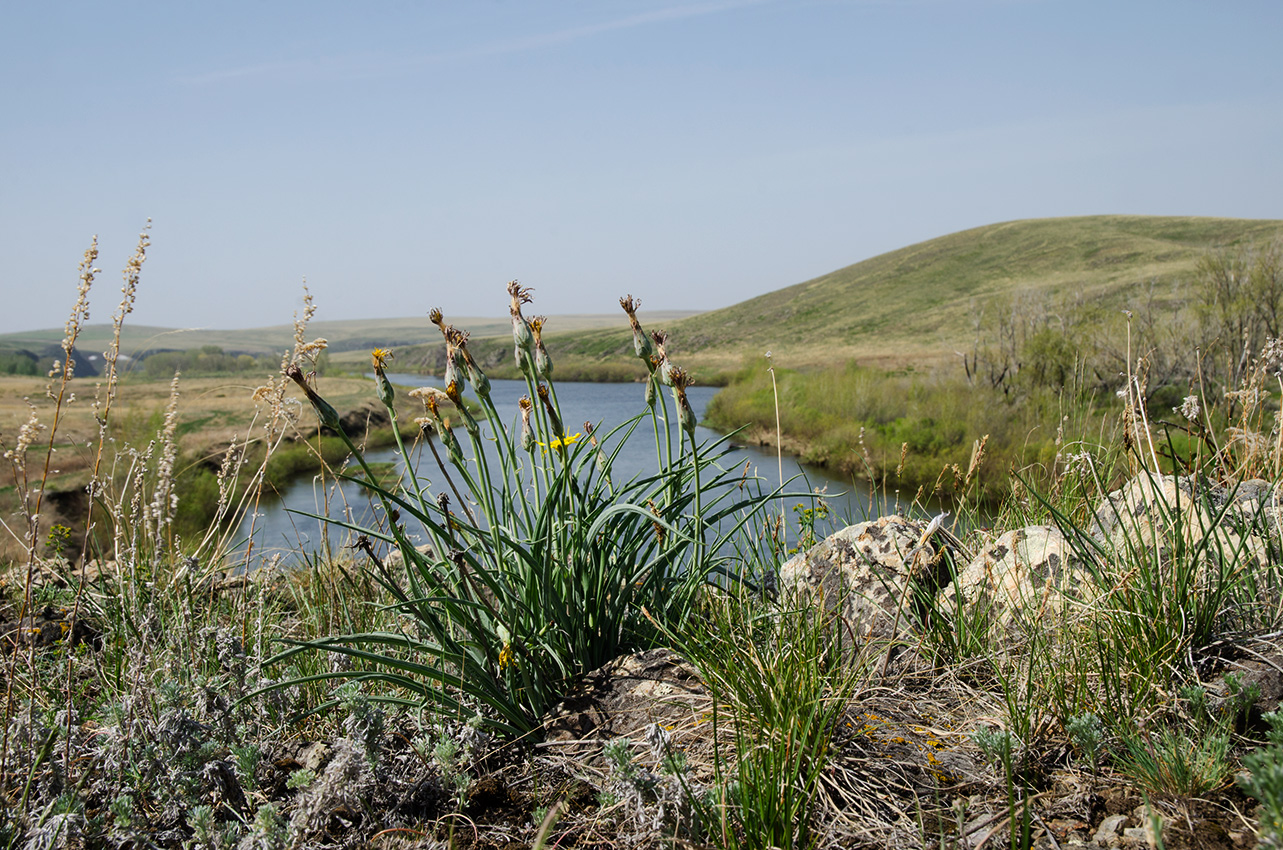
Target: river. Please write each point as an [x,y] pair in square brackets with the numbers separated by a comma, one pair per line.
[280,526]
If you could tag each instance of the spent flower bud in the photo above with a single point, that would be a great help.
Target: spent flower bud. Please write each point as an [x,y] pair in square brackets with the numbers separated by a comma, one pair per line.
[527,435]
[543,363]
[477,377]
[328,415]
[553,418]
[455,391]
[521,333]
[659,361]
[641,343]
[685,414]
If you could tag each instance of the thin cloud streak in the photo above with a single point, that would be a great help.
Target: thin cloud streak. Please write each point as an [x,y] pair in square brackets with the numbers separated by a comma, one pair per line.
[538,42]
[345,68]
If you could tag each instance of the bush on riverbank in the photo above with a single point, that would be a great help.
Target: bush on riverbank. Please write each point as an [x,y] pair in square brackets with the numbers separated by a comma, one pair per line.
[909,432]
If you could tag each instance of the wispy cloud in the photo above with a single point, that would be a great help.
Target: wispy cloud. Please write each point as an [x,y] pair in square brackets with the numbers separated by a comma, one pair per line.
[537,42]
[368,66]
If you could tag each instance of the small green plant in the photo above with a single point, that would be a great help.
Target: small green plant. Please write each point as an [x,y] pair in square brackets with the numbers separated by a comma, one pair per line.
[807,519]
[268,830]
[781,680]
[1263,779]
[301,778]
[59,540]
[247,757]
[1087,733]
[446,756]
[1171,762]
[666,797]
[365,720]
[204,829]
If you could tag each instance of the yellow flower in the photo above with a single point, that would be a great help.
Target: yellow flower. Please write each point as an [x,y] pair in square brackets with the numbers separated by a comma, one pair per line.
[568,441]
[505,655]
[381,356]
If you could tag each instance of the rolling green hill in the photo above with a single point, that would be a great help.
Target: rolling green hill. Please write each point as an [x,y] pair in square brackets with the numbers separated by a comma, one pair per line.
[913,305]
[919,297]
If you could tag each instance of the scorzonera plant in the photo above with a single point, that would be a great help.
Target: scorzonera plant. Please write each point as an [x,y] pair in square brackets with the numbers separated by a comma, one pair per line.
[540,563]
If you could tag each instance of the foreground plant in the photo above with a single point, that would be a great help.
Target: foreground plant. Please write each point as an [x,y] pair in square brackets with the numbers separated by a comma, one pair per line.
[539,562]
[780,680]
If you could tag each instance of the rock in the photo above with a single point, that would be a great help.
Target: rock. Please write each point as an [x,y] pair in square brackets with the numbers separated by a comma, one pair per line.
[1148,510]
[356,422]
[1107,834]
[396,559]
[1255,506]
[50,627]
[879,574]
[1031,571]
[622,698]
[1257,663]
[1155,512]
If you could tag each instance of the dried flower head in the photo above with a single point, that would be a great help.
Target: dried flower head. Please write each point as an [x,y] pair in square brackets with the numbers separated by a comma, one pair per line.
[424,393]
[631,305]
[436,318]
[1271,359]
[519,295]
[641,342]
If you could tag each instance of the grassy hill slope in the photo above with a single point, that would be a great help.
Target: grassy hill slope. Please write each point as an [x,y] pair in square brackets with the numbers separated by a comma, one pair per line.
[914,304]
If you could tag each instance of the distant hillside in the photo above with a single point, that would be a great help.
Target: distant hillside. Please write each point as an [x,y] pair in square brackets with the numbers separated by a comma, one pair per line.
[913,304]
[355,335]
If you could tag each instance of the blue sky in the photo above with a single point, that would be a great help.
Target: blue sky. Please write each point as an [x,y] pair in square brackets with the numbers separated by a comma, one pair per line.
[403,155]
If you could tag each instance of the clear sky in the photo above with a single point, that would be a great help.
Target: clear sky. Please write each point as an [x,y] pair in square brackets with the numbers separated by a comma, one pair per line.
[401,155]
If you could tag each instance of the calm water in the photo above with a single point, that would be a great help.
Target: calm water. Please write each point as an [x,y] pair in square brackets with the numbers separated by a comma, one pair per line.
[279,527]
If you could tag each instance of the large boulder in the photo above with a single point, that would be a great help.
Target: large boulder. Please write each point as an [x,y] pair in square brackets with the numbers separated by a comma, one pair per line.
[1022,575]
[878,574]
[1257,507]
[1151,510]
[1162,514]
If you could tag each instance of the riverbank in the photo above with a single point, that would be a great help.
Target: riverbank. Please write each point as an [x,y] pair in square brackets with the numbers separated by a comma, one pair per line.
[925,433]
[211,415]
